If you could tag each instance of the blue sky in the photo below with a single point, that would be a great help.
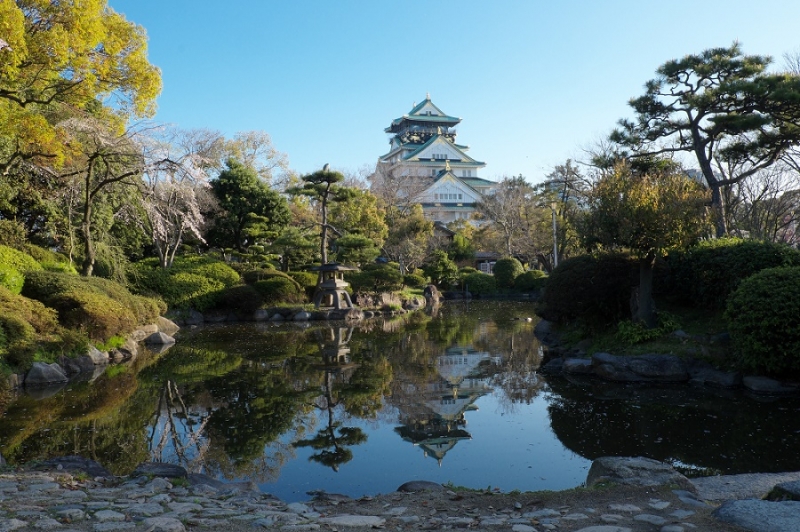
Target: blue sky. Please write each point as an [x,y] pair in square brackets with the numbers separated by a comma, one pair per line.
[535,82]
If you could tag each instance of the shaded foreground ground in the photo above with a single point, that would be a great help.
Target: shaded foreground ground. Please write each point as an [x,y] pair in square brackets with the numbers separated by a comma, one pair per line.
[59,500]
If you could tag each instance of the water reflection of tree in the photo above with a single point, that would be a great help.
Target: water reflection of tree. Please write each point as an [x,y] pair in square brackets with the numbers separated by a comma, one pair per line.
[358,388]
[710,430]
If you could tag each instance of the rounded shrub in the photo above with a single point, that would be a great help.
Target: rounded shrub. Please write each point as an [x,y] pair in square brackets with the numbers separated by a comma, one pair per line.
[22,262]
[376,278]
[307,280]
[279,290]
[480,284]
[595,290]
[242,299]
[506,270]
[763,316]
[11,278]
[414,281]
[98,315]
[706,274]
[532,280]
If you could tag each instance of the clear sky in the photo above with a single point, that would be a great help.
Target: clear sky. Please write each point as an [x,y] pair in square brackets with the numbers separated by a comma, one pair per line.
[534,82]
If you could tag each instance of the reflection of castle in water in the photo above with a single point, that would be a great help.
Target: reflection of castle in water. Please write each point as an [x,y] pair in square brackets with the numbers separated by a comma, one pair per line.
[432,416]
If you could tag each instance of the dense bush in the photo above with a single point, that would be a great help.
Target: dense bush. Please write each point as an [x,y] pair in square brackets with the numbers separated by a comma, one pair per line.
[99,307]
[279,290]
[442,271]
[594,290]
[191,282]
[480,284]
[706,274]
[532,280]
[414,281]
[242,299]
[11,278]
[763,316]
[506,270]
[307,280]
[12,234]
[22,262]
[27,327]
[376,278]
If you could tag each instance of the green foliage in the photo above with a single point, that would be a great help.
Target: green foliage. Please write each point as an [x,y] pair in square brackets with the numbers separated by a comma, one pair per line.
[279,289]
[506,270]
[252,211]
[706,274]
[763,316]
[356,249]
[635,332]
[242,299]
[532,280]
[191,282]
[595,290]
[307,280]
[11,278]
[12,234]
[480,284]
[99,307]
[442,271]
[376,278]
[414,281]
[112,343]
[22,262]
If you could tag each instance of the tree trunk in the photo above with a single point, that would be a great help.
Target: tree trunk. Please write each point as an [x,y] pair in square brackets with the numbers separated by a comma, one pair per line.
[645,313]
[718,210]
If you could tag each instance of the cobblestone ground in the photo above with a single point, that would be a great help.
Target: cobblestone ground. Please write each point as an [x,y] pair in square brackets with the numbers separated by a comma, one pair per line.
[61,501]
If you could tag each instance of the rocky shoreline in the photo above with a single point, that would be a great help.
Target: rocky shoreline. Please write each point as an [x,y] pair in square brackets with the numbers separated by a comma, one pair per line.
[622,495]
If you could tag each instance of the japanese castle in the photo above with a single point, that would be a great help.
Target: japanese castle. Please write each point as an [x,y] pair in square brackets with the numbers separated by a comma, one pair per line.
[423,150]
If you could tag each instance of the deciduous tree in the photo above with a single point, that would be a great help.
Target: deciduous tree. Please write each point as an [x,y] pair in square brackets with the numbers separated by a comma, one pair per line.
[648,215]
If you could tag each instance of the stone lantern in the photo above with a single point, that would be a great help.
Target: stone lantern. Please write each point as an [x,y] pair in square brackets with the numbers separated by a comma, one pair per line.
[331,287]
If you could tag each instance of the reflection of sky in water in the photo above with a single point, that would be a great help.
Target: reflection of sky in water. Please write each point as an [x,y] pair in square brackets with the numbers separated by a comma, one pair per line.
[508,450]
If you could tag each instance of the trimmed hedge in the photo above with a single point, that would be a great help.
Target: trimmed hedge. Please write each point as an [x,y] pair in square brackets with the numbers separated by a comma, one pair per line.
[11,278]
[532,280]
[506,270]
[414,281]
[763,316]
[706,274]
[595,290]
[191,282]
[480,284]
[99,307]
[279,290]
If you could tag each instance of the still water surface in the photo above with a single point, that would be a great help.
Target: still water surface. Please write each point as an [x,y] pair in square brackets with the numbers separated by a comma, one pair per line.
[454,397]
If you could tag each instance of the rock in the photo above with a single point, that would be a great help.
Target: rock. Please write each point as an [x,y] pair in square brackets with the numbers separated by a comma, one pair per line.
[167,326]
[634,471]
[159,469]
[761,516]
[372,521]
[302,316]
[414,303]
[99,358]
[604,528]
[276,317]
[42,374]
[198,479]
[163,524]
[431,294]
[260,315]
[767,386]
[143,332]
[744,486]
[577,366]
[347,314]
[159,338]
[701,372]
[783,491]
[420,485]
[641,368]
[81,364]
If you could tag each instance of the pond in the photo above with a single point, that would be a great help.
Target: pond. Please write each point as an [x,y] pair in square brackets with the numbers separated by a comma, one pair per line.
[453,397]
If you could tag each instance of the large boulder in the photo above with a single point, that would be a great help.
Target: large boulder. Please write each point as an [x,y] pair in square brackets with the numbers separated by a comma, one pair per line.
[167,326]
[42,374]
[752,514]
[73,366]
[159,338]
[641,368]
[74,464]
[635,471]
